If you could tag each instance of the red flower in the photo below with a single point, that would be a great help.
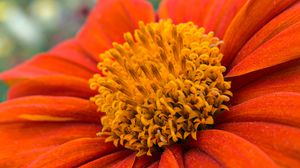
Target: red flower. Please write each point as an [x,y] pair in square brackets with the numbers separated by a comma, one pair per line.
[48,120]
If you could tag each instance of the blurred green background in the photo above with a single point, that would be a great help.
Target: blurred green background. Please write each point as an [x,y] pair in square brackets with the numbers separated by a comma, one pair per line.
[28,27]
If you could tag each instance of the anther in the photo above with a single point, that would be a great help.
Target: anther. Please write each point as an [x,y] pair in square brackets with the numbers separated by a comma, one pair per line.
[160,87]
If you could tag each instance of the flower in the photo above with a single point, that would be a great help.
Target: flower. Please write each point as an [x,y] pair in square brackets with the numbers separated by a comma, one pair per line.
[49,121]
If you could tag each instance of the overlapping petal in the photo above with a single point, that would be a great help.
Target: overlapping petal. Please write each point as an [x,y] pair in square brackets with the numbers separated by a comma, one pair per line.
[274,139]
[58,85]
[44,65]
[71,50]
[214,15]
[231,150]
[282,107]
[109,20]
[172,157]
[74,153]
[280,23]
[195,158]
[21,143]
[280,49]
[108,160]
[252,16]
[285,80]
[48,109]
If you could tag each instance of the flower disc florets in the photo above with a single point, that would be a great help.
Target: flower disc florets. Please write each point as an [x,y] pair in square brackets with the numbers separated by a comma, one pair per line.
[160,86]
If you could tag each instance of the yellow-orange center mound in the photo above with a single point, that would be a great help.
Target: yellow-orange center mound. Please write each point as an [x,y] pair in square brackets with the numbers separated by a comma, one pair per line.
[160,86]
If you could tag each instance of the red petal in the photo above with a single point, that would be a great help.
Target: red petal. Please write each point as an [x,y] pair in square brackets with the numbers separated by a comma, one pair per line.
[197,159]
[282,107]
[214,15]
[154,165]
[220,15]
[145,161]
[108,160]
[71,51]
[231,150]
[277,138]
[286,19]
[23,142]
[282,48]
[44,64]
[74,153]
[126,163]
[52,86]
[184,11]
[47,108]
[252,16]
[286,80]
[172,157]
[109,20]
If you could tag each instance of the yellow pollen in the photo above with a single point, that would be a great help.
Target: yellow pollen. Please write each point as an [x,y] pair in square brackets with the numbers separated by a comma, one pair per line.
[162,85]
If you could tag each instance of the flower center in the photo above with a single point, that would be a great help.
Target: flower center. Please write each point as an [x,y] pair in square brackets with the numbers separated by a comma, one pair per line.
[160,86]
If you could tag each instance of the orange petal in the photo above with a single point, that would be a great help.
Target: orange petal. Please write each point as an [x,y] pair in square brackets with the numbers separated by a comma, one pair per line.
[47,108]
[108,160]
[20,158]
[286,80]
[71,51]
[109,20]
[184,11]
[273,137]
[195,158]
[231,150]
[53,86]
[23,142]
[145,161]
[282,48]
[74,153]
[281,107]
[214,15]
[252,16]
[172,157]
[154,165]
[44,64]
[220,15]
[281,22]
[125,163]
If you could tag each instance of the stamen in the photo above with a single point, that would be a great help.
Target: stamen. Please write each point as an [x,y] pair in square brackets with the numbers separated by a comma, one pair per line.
[161,86]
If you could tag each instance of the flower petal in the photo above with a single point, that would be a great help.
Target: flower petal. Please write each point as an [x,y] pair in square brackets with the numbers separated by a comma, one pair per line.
[220,15]
[145,160]
[231,150]
[286,80]
[281,107]
[109,20]
[23,142]
[58,85]
[47,108]
[154,165]
[172,157]
[108,160]
[281,22]
[277,138]
[44,64]
[184,11]
[74,153]
[282,48]
[195,158]
[71,50]
[126,163]
[253,15]
[207,13]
